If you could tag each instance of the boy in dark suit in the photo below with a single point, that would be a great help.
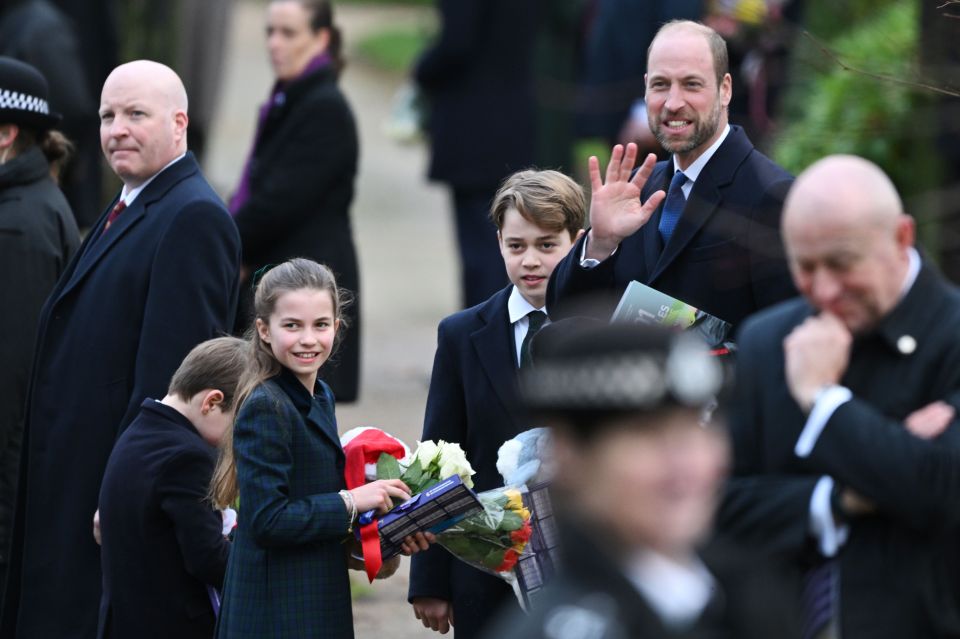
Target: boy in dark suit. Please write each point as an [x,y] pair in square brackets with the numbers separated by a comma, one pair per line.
[163,542]
[472,398]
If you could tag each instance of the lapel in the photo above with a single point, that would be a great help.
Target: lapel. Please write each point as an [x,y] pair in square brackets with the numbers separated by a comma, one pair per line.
[706,196]
[652,243]
[326,426]
[311,406]
[97,245]
[493,343]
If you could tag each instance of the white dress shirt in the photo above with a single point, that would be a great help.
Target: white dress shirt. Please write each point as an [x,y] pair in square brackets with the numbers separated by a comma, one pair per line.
[677,592]
[127,197]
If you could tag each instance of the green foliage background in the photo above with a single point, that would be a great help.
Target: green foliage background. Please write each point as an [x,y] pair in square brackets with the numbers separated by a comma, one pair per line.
[833,110]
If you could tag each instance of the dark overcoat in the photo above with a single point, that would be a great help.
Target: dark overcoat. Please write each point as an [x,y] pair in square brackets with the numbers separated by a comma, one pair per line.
[287,573]
[163,542]
[899,567]
[592,596]
[38,236]
[124,314]
[725,255]
[301,176]
[478,81]
[472,401]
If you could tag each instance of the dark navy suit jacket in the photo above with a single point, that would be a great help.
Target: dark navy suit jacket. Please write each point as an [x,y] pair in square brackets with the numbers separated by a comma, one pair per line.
[126,311]
[725,256]
[472,401]
[162,540]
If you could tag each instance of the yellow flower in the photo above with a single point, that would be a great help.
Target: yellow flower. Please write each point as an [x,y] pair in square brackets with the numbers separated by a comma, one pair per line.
[514,500]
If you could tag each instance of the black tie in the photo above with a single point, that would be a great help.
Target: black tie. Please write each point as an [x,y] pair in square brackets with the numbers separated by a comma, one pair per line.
[536,321]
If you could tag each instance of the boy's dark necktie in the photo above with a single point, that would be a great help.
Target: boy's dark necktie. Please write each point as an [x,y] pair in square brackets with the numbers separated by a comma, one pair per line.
[536,320]
[114,214]
[672,206]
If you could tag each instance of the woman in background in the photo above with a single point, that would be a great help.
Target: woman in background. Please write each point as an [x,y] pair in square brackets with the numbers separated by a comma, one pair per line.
[294,197]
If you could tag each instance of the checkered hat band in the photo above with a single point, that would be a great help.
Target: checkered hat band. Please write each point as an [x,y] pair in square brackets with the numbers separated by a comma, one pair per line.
[23,102]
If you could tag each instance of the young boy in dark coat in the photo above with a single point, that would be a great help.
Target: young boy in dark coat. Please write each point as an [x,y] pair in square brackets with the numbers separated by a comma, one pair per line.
[472,398]
[163,543]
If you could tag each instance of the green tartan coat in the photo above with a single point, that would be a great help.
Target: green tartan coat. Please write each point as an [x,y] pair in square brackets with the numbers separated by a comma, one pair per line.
[287,574]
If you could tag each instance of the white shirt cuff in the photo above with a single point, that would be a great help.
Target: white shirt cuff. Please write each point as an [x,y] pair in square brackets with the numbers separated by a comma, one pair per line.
[830,537]
[828,401]
[589,262]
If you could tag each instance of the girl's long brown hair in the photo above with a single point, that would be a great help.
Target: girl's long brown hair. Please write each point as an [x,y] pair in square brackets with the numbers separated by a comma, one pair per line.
[293,275]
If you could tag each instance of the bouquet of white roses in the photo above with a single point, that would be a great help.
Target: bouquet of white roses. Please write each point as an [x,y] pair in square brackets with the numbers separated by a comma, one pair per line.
[430,464]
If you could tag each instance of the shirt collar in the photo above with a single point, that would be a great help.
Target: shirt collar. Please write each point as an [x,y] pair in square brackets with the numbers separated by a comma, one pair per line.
[677,592]
[129,196]
[913,269]
[693,171]
[912,312]
[518,307]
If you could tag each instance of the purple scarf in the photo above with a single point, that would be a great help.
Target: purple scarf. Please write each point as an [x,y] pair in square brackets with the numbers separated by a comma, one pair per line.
[277,97]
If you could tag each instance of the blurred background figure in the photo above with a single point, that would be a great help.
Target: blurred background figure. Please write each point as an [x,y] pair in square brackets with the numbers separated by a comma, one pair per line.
[557,61]
[477,78]
[42,34]
[201,30]
[615,59]
[759,35]
[294,196]
[640,480]
[38,236]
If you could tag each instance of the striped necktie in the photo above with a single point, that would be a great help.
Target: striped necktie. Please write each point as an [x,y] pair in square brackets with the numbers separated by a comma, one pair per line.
[114,214]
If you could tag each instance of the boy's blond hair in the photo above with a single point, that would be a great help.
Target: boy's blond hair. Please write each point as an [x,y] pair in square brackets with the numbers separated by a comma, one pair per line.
[549,199]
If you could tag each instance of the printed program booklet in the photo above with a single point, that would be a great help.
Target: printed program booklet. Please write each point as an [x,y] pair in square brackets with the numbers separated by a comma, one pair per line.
[434,510]
[641,303]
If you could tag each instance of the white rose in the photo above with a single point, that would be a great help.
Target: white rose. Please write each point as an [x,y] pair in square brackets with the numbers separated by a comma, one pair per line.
[453,461]
[426,453]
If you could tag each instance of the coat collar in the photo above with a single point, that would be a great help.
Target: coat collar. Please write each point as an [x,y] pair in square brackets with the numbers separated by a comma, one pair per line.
[492,344]
[170,415]
[96,245]
[704,200]
[28,167]
[313,407]
[911,319]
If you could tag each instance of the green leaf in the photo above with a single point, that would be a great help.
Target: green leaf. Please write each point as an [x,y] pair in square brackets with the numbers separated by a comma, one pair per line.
[388,467]
[493,559]
[511,521]
[413,477]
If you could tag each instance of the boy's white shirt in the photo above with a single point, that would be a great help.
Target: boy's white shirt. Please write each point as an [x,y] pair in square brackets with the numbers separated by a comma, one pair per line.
[518,307]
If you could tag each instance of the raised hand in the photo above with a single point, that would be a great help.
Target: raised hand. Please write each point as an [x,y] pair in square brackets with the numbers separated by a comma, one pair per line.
[615,208]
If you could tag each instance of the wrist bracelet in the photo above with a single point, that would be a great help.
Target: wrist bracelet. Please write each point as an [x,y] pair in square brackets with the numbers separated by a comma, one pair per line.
[351,505]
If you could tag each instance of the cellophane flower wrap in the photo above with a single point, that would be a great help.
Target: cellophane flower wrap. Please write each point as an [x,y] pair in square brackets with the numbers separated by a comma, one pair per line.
[495,539]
